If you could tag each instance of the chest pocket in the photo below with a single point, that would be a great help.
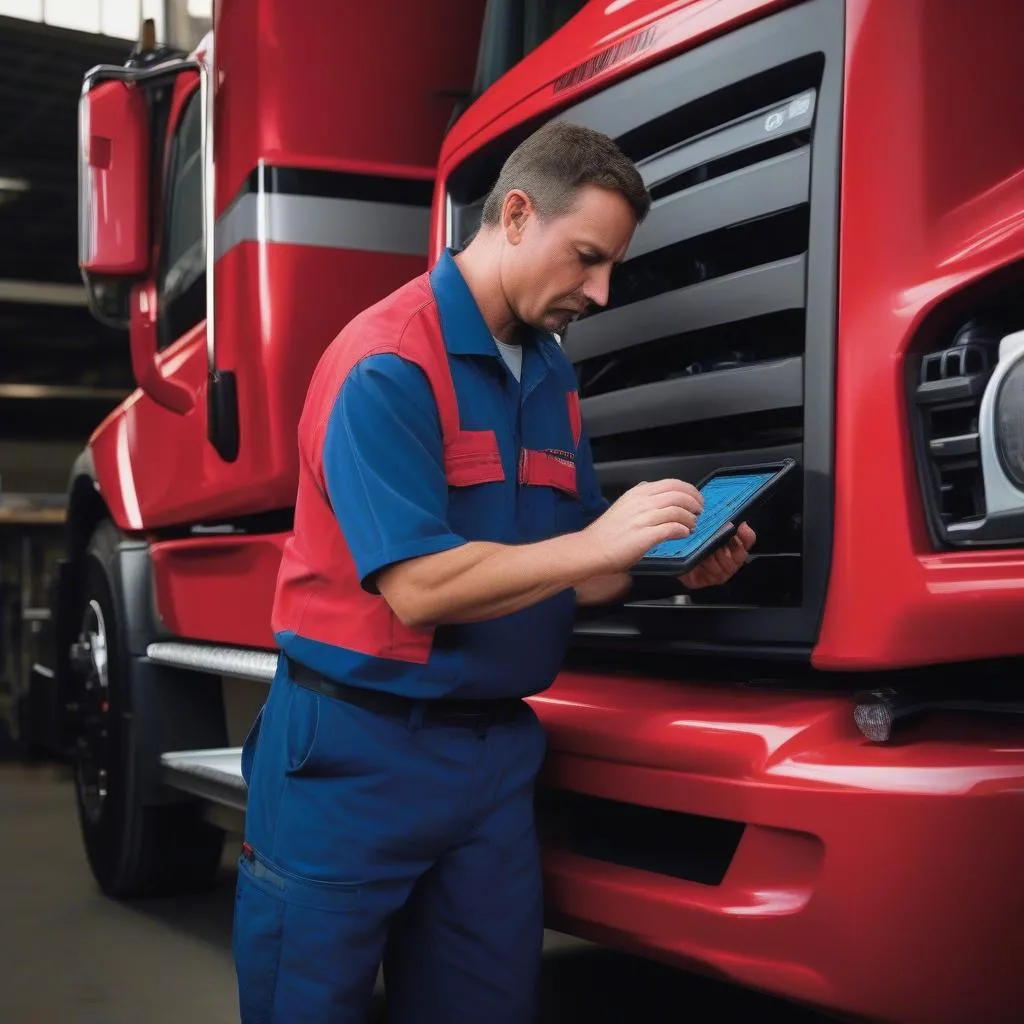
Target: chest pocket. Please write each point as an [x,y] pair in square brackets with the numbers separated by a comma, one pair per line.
[554,470]
[472,457]
[477,492]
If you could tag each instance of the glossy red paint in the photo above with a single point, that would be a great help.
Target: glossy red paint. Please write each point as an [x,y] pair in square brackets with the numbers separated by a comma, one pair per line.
[932,200]
[116,155]
[528,88]
[918,223]
[366,84]
[178,477]
[843,838]
[218,589]
[278,305]
[879,881]
[112,462]
[161,388]
[849,888]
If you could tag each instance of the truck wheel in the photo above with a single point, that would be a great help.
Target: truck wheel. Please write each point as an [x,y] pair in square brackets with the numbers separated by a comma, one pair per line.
[133,850]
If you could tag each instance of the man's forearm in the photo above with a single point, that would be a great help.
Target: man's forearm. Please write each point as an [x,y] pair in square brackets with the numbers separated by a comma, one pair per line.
[479,581]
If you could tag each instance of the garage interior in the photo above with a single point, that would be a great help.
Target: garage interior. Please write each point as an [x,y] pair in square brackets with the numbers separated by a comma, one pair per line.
[68,953]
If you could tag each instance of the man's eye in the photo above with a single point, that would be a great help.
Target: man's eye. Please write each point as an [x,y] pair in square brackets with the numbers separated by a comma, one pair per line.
[589,258]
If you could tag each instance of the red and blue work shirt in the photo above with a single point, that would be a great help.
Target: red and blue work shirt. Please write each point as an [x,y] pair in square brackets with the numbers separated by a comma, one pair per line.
[416,438]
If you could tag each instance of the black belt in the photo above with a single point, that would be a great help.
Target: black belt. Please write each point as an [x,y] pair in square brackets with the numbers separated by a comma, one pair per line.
[448,711]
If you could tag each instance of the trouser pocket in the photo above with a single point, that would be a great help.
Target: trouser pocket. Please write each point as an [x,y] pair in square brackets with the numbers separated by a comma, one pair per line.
[306,952]
[249,746]
[256,945]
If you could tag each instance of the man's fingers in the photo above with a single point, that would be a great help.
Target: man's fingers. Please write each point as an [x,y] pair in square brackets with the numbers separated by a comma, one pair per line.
[675,499]
[669,486]
[727,563]
[720,566]
[737,551]
[723,564]
[666,531]
[670,514]
[746,536]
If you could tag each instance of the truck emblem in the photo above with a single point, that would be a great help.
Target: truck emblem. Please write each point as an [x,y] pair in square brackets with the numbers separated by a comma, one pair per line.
[800,105]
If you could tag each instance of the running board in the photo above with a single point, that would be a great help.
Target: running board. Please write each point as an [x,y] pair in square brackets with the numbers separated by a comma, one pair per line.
[214,775]
[239,662]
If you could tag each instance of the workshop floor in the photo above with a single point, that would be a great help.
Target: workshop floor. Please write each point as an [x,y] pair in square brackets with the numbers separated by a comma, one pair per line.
[70,956]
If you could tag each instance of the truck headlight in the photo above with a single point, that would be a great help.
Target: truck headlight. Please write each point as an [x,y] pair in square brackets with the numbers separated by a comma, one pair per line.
[1008,415]
[1001,447]
[967,395]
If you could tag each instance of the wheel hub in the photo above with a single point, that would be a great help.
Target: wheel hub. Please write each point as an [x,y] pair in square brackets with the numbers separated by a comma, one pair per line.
[90,661]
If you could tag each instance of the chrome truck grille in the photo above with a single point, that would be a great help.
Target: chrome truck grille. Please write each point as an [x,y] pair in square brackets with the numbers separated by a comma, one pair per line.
[717,345]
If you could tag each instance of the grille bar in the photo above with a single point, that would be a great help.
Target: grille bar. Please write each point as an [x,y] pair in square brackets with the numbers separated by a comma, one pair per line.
[621,474]
[794,116]
[745,389]
[716,347]
[749,293]
[775,184]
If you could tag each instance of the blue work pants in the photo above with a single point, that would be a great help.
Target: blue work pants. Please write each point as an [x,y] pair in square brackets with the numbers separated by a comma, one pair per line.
[374,838]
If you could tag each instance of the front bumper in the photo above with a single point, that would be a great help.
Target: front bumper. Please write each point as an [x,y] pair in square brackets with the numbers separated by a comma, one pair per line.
[877,881]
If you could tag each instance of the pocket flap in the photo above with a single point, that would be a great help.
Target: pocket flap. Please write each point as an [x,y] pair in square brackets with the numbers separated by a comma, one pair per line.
[575,416]
[548,469]
[473,457]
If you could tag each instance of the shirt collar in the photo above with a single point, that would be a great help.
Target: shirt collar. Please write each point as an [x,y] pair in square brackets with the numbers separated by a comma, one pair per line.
[462,324]
[463,327]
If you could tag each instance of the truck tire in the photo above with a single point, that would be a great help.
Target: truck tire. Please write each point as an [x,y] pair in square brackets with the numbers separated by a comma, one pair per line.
[133,850]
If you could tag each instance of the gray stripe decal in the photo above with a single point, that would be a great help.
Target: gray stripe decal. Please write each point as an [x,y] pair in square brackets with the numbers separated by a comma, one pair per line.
[330,223]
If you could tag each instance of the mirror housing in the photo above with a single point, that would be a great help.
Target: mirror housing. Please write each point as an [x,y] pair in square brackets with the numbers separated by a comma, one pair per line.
[114,195]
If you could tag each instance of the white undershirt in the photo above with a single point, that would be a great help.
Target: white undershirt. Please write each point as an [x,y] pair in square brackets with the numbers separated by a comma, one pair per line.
[513,356]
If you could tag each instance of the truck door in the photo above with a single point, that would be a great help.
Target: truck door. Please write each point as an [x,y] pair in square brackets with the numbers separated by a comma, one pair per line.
[166,445]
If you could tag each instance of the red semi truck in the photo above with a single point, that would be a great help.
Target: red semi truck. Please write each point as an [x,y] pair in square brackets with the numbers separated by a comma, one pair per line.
[810,781]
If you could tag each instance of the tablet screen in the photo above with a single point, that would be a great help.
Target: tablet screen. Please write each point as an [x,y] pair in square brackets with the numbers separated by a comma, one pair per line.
[723,495]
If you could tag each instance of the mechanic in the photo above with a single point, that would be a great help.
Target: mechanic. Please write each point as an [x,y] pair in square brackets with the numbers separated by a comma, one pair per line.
[448,520]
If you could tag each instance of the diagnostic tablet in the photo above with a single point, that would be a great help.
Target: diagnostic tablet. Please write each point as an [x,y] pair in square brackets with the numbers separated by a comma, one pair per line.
[729,497]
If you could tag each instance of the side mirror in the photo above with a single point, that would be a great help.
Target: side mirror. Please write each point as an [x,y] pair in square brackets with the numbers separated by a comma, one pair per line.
[113,229]
[167,392]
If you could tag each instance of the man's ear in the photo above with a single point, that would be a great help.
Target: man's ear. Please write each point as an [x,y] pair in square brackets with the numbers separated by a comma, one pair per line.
[515,214]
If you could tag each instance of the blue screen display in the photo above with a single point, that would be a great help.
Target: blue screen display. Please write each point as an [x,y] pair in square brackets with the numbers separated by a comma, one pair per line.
[722,497]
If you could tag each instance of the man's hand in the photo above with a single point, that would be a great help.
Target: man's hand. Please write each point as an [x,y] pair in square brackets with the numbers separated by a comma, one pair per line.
[645,515]
[479,580]
[721,566]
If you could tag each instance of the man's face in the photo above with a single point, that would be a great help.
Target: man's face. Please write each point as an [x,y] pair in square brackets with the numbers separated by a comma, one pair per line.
[553,270]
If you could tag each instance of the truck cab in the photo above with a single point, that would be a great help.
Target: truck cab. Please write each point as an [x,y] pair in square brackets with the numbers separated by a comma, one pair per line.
[785,781]
[808,781]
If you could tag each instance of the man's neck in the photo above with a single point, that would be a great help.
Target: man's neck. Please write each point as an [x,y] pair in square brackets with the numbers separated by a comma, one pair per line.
[479,264]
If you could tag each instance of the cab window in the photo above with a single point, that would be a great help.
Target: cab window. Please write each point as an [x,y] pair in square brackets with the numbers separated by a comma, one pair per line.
[181,272]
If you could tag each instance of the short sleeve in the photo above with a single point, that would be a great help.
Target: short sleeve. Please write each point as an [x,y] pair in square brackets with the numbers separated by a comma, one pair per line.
[593,501]
[383,459]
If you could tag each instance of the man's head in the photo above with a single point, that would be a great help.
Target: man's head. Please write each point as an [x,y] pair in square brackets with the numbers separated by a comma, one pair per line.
[560,216]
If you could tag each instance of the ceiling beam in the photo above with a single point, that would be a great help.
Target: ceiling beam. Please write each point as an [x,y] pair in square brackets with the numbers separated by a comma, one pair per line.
[41,293]
[72,391]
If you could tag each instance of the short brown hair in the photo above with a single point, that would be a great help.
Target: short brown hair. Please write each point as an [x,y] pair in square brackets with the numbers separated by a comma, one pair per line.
[553,163]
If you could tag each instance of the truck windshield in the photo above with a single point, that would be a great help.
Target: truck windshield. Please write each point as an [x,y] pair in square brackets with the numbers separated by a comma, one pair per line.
[511,29]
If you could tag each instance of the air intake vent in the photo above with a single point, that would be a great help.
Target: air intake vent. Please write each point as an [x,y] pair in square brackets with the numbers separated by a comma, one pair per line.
[716,347]
[965,401]
[950,384]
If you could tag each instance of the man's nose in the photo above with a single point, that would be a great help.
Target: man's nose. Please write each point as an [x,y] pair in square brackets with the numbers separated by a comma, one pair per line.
[598,286]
